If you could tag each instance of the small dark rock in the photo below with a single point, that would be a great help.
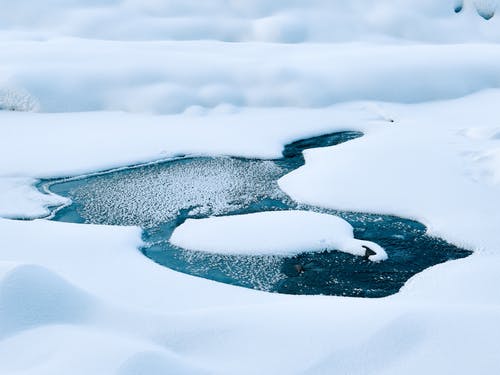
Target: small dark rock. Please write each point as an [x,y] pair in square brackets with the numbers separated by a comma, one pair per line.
[368,251]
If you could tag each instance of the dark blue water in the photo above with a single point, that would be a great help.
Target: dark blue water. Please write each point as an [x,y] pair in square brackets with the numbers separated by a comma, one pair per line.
[160,196]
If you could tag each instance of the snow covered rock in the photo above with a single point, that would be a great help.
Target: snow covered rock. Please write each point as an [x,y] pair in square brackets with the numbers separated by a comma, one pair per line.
[277,233]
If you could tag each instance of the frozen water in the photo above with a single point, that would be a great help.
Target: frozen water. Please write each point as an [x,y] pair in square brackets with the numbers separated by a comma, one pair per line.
[160,197]
[154,194]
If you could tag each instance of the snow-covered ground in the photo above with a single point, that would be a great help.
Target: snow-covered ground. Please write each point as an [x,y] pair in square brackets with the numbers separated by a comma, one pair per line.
[113,83]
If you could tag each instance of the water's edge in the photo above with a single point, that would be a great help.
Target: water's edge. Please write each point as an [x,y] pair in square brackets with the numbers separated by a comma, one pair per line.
[159,208]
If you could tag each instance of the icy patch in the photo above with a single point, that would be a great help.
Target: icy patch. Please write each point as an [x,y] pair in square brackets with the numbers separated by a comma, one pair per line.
[261,272]
[280,233]
[155,194]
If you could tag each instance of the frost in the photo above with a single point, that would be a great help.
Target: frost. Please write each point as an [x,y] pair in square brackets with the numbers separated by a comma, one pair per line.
[17,100]
[200,185]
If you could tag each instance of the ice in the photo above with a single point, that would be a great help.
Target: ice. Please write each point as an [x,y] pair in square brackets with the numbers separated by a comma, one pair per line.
[273,233]
[156,194]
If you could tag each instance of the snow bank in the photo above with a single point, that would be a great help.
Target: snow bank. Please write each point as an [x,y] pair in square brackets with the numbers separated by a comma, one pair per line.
[250,20]
[20,199]
[112,139]
[268,233]
[166,77]
[395,171]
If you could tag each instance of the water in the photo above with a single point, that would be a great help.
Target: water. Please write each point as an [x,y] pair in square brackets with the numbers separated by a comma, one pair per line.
[160,196]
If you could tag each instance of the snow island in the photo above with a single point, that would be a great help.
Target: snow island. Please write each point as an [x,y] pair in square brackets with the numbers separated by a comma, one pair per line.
[274,233]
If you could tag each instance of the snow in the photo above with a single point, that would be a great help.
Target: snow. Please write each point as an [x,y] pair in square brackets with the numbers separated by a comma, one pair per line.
[19,198]
[272,233]
[163,77]
[28,295]
[87,86]
[285,21]
[452,188]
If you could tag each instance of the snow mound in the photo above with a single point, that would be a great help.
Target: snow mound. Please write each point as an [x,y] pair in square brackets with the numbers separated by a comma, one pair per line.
[276,233]
[32,296]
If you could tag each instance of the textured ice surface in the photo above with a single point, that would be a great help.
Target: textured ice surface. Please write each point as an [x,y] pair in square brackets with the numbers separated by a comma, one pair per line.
[154,194]
[258,272]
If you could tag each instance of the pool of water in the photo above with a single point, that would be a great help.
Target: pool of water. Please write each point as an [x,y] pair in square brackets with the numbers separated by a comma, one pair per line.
[160,196]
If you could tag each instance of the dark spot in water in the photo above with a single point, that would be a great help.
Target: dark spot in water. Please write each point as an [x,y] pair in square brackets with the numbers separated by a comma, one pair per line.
[161,196]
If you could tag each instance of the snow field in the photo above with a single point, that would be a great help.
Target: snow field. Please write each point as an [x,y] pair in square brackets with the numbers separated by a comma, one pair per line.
[163,77]
[212,327]
[87,86]
[281,21]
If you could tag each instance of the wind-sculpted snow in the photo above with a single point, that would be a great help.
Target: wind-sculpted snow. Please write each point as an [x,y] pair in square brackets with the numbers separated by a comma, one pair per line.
[167,77]
[31,296]
[288,21]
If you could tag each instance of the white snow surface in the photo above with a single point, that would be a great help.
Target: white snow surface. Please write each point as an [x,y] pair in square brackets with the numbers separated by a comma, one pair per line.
[435,181]
[165,77]
[19,199]
[87,86]
[272,233]
[286,21]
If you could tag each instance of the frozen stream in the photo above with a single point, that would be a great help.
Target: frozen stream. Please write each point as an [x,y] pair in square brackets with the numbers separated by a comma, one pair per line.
[160,196]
